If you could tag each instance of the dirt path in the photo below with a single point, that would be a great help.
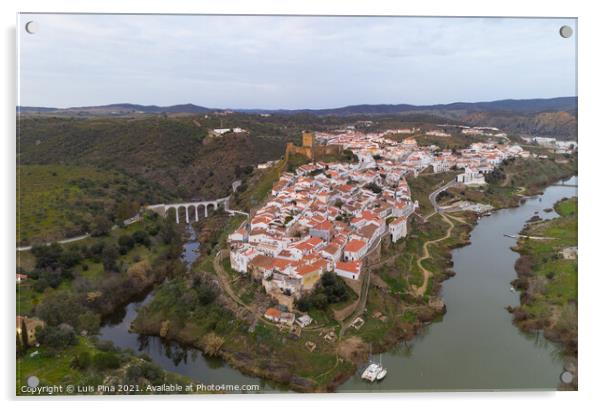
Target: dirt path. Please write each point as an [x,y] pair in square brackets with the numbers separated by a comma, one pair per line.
[361,304]
[225,284]
[506,181]
[426,274]
[456,218]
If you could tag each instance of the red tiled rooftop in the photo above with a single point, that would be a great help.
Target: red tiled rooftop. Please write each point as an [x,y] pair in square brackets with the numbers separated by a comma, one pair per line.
[273,312]
[350,266]
[355,245]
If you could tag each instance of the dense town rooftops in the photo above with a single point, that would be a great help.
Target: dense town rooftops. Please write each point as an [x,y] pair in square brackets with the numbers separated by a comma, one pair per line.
[323,215]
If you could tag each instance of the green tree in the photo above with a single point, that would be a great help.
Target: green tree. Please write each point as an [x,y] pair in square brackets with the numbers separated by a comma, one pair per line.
[58,308]
[101,226]
[89,322]
[24,335]
[126,242]
[106,360]
[320,301]
[56,338]
[141,237]
[82,360]
[110,254]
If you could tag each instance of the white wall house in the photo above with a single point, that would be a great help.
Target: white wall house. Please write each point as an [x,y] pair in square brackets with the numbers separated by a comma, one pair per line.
[471,177]
[398,228]
[354,250]
[240,258]
[348,269]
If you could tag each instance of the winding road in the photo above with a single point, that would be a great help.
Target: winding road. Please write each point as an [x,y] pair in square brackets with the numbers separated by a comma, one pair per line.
[126,222]
[433,196]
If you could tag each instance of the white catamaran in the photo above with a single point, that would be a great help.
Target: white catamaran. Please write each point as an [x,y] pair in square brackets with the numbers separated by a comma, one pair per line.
[374,371]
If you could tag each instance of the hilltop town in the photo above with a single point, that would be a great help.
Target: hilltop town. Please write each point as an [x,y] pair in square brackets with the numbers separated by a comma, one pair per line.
[330,217]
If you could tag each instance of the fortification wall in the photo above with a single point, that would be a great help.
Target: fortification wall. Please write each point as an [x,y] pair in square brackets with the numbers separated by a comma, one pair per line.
[313,153]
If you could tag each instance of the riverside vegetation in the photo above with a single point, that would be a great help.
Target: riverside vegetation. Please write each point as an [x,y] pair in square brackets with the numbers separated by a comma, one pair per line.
[73,287]
[547,279]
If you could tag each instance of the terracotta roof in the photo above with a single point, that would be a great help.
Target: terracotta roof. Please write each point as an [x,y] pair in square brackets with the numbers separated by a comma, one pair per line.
[257,231]
[281,263]
[261,261]
[273,312]
[368,230]
[350,266]
[308,244]
[355,245]
[399,220]
[310,268]
[332,248]
[326,225]
[370,215]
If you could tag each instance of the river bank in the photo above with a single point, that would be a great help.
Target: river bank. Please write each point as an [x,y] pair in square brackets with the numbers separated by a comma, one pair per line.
[547,282]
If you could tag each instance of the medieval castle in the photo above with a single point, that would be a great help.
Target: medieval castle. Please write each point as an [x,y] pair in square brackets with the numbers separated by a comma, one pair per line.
[310,149]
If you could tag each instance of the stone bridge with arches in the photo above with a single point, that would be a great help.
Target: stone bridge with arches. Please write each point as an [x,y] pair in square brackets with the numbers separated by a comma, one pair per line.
[191,209]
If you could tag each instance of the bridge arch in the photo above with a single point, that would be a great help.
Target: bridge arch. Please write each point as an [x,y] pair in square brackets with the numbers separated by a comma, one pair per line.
[171,212]
[190,211]
[202,209]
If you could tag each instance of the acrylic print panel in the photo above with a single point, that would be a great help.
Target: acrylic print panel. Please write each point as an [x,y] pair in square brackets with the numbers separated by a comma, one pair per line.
[270,204]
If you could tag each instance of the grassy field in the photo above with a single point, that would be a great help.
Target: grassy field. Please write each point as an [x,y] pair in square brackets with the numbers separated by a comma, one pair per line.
[53,370]
[566,208]
[560,274]
[56,202]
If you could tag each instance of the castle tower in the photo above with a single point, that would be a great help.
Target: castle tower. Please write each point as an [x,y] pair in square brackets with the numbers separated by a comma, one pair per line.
[308,139]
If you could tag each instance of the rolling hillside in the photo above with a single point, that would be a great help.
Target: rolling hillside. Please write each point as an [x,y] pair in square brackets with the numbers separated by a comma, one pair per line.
[57,201]
[174,154]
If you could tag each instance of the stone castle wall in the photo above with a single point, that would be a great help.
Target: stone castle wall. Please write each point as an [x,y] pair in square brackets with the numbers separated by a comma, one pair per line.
[313,153]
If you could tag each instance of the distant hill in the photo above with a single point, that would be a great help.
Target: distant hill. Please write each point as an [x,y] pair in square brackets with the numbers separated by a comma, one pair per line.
[510,105]
[555,117]
[119,109]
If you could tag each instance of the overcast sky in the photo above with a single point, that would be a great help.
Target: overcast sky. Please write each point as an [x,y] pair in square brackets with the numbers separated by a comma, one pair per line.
[290,62]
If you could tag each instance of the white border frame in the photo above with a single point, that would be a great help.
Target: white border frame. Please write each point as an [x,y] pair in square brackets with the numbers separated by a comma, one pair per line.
[590,144]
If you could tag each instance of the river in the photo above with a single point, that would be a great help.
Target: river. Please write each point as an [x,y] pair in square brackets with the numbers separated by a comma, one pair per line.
[171,356]
[474,347]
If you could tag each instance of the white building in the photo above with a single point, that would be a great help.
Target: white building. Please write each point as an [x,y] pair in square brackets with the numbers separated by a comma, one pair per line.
[471,177]
[440,164]
[348,269]
[241,256]
[398,228]
[354,250]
